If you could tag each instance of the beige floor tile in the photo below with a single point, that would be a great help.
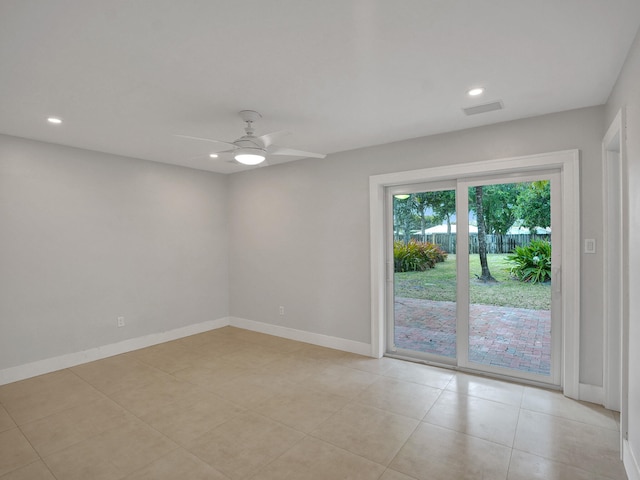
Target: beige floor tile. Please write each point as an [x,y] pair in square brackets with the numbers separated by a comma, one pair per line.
[315,352]
[178,465]
[342,381]
[157,395]
[41,396]
[235,404]
[184,422]
[301,409]
[168,357]
[205,338]
[6,422]
[487,388]
[525,466]
[253,356]
[397,396]
[211,374]
[60,430]
[251,389]
[117,373]
[15,451]
[390,474]
[213,344]
[367,364]
[296,368]
[366,431]
[594,449]
[313,459]
[112,454]
[281,345]
[555,403]
[241,446]
[418,373]
[475,416]
[34,471]
[436,453]
[81,462]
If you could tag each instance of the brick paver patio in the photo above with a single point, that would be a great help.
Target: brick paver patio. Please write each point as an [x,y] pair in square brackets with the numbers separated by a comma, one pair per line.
[516,338]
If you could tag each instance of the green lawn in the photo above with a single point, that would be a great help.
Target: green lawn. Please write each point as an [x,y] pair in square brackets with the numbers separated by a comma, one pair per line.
[439,283]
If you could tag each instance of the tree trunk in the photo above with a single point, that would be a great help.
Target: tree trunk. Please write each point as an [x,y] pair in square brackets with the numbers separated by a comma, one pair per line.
[485,276]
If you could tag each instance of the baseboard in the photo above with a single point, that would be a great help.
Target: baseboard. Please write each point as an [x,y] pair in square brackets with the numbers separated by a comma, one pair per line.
[319,339]
[20,372]
[591,393]
[630,462]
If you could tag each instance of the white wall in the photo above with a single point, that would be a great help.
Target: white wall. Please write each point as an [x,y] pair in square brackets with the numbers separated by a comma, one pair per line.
[86,237]
[626,94]
[299,232]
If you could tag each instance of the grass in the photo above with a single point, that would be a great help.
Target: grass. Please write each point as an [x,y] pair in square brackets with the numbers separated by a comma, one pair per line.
[439,283]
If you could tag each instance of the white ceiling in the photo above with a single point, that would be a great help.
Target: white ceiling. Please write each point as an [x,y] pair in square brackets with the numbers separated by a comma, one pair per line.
[125,76]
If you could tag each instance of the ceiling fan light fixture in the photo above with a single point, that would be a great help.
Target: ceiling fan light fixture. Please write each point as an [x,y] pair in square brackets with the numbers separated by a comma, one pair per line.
[249,156]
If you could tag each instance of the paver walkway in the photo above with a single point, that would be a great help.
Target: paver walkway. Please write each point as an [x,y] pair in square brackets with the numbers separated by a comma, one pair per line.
[516,338]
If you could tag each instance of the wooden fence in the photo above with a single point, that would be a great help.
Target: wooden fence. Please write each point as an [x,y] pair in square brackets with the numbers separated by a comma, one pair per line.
[495,243]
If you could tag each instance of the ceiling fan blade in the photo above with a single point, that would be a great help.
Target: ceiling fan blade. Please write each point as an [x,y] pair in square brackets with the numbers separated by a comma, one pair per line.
[207,140]
[294,153]
[269,139]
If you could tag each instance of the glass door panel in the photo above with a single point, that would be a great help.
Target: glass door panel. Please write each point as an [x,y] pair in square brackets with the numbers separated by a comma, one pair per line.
[510,278]
[424,275]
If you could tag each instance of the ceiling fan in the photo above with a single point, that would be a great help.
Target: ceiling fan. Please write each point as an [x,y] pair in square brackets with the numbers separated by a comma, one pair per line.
[251,149]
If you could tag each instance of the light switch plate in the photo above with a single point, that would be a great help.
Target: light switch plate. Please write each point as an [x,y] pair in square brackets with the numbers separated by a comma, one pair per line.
[589,245]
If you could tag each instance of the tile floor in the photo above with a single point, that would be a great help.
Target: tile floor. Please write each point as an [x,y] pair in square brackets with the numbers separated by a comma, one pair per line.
[234,404]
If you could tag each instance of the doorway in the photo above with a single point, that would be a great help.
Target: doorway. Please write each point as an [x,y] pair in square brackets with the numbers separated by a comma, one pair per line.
[563,166]
[500,315]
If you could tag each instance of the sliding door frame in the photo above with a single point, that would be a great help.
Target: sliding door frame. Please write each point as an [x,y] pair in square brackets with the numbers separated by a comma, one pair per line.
[567,162]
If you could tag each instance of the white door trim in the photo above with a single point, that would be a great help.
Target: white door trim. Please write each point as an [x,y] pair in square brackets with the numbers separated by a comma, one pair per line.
[612,248]
[568,163]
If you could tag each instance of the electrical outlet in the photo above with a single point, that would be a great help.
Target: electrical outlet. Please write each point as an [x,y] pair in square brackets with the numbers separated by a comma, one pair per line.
[281,310]
[121,322]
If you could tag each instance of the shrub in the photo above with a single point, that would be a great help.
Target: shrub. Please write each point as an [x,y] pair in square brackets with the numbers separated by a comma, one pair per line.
[416,256]
[533,262]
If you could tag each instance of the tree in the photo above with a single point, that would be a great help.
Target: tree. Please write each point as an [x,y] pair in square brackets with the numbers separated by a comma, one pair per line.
[422,204]
[485,275]
[443,204]
[533,206]
[404,217]
[498,205]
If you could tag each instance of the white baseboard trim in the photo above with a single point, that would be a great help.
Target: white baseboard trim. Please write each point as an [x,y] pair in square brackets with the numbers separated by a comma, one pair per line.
[20,372]
[631,464]
[337,343]
[591,393]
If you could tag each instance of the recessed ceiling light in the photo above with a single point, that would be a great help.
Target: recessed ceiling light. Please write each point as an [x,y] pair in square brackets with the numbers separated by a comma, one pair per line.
[213,155]
[54,120]
[474,92]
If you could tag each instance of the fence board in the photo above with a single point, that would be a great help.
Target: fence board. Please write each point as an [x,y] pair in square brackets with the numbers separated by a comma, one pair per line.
[495,243]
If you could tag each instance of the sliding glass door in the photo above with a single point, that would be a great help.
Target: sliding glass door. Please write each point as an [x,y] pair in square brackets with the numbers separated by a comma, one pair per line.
[475,279]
